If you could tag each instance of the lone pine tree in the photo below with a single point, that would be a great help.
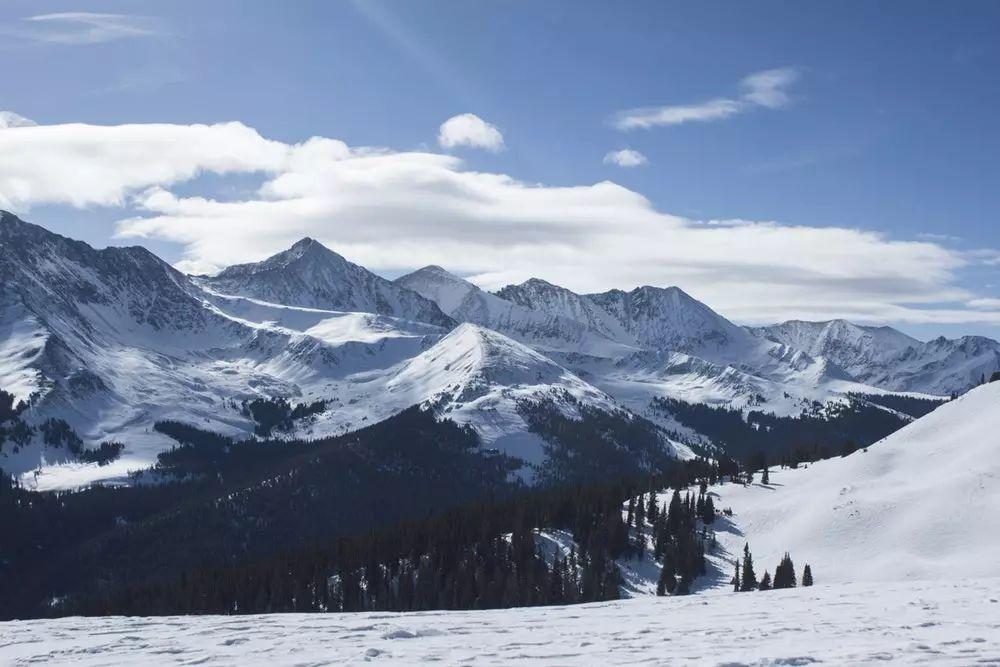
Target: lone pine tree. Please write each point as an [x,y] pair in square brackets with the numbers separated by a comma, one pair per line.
[749,576]
[807,576]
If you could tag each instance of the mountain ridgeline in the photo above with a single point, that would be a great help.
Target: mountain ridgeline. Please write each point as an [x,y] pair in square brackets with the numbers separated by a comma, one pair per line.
[110,342]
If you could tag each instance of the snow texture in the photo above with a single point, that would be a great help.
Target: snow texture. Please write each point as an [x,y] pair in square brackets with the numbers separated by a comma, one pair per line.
[941,622]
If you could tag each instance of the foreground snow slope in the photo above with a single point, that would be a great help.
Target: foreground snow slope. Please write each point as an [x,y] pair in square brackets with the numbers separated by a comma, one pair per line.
[944,622]
[920,504]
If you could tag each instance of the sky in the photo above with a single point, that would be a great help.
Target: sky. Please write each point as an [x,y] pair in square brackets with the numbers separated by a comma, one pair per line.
[775,160]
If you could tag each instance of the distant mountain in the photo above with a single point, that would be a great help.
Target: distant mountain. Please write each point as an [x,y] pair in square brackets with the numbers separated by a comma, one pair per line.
[542,296]
[672,345]
[544,330]
[311,275]
[889,359]
[113,340]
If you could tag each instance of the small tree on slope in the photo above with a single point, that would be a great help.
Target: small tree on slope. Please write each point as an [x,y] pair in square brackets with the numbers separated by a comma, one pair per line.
[784,574]
[749,576]
[807,576]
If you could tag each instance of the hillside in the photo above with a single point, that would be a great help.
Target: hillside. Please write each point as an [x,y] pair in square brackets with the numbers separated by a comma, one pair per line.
[920,504]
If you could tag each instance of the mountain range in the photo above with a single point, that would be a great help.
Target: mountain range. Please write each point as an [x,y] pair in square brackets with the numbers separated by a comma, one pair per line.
[112,341]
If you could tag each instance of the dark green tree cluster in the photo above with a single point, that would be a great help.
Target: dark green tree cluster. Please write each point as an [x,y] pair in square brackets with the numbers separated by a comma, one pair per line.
[677,543]
[820,432]
[476,557]
[55,433]
[745,579]
[277,414]
[262,525]
[12,427]
[784,574]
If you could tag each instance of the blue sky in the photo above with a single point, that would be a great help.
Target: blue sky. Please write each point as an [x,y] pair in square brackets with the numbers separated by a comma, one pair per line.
[885,123]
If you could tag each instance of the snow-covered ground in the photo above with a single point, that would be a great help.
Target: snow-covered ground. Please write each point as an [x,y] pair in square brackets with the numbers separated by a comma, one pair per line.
[942,622]
[920,504]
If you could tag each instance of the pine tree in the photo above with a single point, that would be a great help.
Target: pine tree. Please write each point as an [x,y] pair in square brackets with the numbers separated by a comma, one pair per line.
[807,576]
[667,581]
[736,577]
[765,582]
[674,513]
[708,511]
[784,574]
[749,577]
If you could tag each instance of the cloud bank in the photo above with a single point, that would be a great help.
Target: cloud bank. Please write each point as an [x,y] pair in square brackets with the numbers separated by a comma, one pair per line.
[395,211]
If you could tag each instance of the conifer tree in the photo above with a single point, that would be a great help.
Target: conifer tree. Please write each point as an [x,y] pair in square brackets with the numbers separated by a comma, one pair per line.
[784,574]
[736,577]
[807,576]
[765,582]
[708,511]
[674,513]
[749,577]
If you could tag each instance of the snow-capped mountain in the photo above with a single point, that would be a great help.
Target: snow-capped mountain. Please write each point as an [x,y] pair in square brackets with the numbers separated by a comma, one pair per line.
[311,275]
[546,331]
[675,346]
[114,340]
[542,296]
[889,359]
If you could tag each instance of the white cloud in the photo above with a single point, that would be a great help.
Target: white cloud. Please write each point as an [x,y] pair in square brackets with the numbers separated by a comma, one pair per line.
[85,165]
[626,158]
[75,28]
[984,304]
[11,119]
[396,211]
[767,89]
[470,130]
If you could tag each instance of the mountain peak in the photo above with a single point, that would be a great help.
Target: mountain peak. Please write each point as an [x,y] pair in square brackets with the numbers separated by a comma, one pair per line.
[304,243]
[430,271]
[310,275]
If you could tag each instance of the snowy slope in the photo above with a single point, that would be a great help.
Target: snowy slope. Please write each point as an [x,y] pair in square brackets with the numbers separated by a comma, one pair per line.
[474,376]
[311,275]
[941,622]
[919,504]
[889,359]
